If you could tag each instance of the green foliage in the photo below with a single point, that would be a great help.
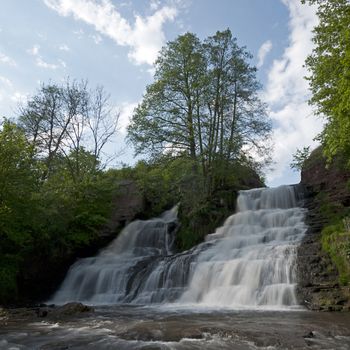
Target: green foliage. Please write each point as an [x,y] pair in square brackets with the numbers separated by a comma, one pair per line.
[203,104]
[335,236]
[203,218]
[18,180]
[299,158]
[166,181]
[16,176]
[46,217]
[330,75]
[336,242]
[330,211]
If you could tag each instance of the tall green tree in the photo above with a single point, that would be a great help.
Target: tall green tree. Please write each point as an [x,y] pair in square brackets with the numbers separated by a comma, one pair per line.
[203,103]
[237,117]
[165,120]
[329,67]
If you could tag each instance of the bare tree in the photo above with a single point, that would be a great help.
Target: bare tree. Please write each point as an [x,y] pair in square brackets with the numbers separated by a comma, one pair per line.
[67,119]
[102,120]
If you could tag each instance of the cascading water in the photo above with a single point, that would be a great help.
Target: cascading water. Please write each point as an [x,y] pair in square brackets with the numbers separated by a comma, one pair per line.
[252,262]
[249,262]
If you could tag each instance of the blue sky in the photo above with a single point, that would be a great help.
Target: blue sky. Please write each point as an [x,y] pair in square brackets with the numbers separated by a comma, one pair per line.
[114,43]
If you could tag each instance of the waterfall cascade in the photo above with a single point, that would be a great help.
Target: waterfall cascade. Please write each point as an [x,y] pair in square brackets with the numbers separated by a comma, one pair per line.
[249,262]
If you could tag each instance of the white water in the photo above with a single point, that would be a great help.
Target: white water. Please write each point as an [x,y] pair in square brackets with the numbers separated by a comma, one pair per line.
[249,262]
[252,263]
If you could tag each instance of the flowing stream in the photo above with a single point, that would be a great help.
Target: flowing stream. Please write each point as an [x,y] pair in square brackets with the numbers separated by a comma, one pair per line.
[236,290]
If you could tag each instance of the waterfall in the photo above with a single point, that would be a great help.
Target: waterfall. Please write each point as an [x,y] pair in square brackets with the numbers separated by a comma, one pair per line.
[249,262]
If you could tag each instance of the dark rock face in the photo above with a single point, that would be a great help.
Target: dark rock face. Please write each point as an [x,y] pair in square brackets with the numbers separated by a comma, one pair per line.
[127,205]
[331,179]
[318,287]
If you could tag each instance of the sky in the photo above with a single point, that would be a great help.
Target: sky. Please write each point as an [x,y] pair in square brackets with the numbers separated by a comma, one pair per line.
[115,42]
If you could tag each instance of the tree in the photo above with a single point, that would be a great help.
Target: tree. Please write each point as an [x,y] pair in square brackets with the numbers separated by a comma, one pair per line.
[203,104]
[18,179]
[330,75]
[102,120]
[164,121]
[237,118]
[299,158]
[61,119]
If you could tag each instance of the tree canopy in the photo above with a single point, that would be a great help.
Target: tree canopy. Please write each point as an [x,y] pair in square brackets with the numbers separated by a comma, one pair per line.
[203,103]
[329,77]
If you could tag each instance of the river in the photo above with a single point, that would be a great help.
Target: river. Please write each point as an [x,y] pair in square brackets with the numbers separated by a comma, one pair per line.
[170,327]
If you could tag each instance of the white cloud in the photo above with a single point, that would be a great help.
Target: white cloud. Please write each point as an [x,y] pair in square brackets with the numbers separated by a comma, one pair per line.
[265,48]
[145,37]
[42,36]
[34,51]
[96,38]
[10,96]
[126,111]
[5,86]
[5,81]
[79,33]
[19,97]
[155,4]
[43,64]
[40,62]
[64,47]
[287,92]
[7,60]
[62,63]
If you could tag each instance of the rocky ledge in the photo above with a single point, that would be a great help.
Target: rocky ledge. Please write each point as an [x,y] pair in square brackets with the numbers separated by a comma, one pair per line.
[318,278]
[51,312]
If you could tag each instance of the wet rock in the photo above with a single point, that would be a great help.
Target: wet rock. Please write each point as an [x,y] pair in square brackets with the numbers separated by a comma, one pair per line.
[42,312]
[70,309]
[155,331]
[309,335]
[3,316]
